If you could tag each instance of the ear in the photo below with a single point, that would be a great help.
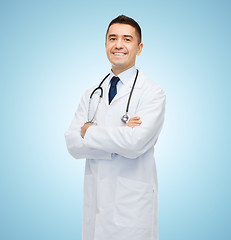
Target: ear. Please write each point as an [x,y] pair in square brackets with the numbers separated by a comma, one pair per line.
[139,50]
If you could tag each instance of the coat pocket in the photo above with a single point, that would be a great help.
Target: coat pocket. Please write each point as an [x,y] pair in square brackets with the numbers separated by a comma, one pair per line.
[134,202]
[87,198]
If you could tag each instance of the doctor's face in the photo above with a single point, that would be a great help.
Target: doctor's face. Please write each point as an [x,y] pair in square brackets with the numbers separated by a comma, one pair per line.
[122,47]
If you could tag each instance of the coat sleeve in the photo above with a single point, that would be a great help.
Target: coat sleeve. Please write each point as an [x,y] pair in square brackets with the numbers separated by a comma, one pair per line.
[73,138]
[132,142]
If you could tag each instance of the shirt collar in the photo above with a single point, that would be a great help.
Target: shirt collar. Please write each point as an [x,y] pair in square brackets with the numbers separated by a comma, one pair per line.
[125,76]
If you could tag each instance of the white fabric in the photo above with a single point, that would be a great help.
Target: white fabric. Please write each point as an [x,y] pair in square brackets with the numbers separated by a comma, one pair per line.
[120,185]
[124,77]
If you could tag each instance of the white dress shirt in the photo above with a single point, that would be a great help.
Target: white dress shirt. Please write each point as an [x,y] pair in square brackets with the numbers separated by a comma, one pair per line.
[124,78]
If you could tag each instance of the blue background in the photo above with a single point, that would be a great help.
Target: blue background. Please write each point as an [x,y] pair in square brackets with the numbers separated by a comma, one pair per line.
[51,51]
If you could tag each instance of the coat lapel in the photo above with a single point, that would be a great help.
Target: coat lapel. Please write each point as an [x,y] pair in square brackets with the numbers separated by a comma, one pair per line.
[105,92]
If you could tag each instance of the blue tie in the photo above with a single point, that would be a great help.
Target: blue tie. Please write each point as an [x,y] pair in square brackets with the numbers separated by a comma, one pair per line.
[113,90]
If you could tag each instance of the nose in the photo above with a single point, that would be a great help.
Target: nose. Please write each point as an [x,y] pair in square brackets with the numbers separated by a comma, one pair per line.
[119,43]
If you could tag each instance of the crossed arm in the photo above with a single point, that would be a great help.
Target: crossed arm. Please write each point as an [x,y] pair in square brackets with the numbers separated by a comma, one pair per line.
[133,122]
[98,142]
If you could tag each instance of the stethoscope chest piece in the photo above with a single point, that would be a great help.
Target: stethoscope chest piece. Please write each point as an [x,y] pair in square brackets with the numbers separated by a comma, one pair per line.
[125,118]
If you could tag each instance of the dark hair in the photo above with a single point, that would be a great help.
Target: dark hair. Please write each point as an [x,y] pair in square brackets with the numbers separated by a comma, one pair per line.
[126,20]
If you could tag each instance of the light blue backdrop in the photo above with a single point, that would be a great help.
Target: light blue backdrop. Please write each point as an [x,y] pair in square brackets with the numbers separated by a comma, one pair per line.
[51,51]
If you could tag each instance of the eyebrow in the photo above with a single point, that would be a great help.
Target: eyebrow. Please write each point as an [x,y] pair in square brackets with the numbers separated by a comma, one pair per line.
[130,36]
[114,35]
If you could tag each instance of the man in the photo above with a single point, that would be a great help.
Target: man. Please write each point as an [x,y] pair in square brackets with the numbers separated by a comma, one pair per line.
[120,185]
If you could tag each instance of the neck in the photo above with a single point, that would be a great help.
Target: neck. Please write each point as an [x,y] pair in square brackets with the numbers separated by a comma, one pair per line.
[117,71]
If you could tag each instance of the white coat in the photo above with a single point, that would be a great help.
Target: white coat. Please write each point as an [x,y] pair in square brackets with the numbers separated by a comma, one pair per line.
[120,185]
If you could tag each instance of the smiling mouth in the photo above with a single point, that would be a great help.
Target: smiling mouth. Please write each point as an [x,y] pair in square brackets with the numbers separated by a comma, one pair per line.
[119,54]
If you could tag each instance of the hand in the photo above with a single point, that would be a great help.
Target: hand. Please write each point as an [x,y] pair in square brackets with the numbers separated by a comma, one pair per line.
[133,122]
[84,129]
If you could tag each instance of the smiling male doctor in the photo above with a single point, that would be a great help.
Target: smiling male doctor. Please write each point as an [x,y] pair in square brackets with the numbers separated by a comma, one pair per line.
[120,184]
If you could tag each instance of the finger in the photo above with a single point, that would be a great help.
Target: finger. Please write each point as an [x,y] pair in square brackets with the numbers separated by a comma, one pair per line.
[135,118]
[133,125]
[136,121]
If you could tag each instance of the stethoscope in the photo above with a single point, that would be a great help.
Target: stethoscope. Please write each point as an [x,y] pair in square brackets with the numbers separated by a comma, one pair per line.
[125,117]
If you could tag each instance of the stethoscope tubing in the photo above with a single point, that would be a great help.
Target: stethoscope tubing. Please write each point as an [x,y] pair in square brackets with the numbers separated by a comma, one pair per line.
[134,83]
[99,88]
[101,96]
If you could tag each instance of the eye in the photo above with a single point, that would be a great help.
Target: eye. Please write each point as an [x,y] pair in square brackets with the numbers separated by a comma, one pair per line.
[112,39]
[127,39]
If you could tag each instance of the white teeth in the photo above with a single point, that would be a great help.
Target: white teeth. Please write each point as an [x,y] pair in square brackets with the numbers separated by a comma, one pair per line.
[120,54]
